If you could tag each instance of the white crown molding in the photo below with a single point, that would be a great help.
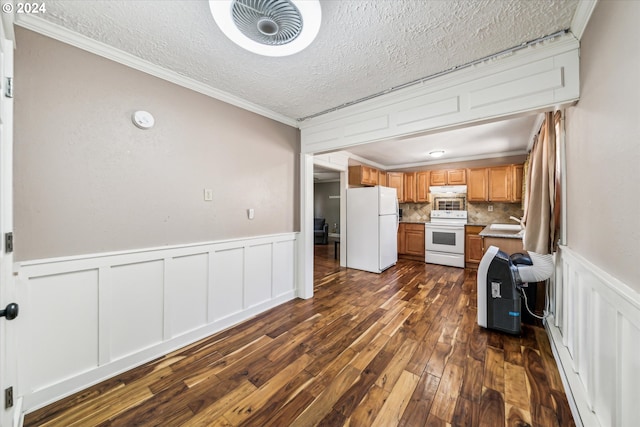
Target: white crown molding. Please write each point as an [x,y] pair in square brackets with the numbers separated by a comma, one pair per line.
[435,162]
[454,160]
[367,161]
[72,38]
[581,17]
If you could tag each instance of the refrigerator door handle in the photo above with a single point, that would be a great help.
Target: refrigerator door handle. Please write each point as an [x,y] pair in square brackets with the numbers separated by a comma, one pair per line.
[397,215]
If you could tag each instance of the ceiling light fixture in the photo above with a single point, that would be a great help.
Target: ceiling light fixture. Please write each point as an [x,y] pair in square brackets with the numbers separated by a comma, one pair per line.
[268,27]
[437,153]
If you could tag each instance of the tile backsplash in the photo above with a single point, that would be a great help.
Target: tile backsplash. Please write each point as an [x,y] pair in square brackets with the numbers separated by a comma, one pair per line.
[415,211]
[478,213]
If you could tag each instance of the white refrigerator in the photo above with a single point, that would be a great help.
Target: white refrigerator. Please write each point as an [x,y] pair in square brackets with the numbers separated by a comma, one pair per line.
[372,228]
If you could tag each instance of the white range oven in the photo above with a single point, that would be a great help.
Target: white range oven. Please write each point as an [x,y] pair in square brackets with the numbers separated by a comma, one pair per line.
[444,235]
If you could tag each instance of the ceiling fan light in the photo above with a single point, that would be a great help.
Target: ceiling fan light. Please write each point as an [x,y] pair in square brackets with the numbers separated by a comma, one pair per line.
[437,153]
[268,27]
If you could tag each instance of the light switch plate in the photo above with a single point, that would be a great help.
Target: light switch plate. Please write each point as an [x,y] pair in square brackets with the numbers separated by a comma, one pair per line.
[208,194]
[250,213]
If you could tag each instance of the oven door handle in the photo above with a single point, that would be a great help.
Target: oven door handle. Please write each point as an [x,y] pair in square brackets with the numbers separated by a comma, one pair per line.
[443,227]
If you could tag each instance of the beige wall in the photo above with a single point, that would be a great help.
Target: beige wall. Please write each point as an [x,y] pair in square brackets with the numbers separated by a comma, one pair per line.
[87,180]
[603,144]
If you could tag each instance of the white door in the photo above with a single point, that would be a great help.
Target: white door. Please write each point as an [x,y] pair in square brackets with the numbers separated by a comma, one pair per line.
[8,356]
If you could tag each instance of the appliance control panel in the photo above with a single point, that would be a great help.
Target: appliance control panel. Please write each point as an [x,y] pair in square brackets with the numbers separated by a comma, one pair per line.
[449,214]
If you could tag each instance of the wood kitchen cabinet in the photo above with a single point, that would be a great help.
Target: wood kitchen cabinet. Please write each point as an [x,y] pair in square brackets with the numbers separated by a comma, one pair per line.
[472,246]
[382,178]
[396,180]
[449,177]
[478,185]
[495,184]
[506,245]
[422,186]
[363,175]
[500,184]
[411,241]
[410,187]
[517,177]
[456,177]
[438,177]
[402,247]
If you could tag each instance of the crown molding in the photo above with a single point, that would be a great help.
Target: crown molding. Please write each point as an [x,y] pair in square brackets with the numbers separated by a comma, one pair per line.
[581,17]
[104,50]
[367,161]
[455,160]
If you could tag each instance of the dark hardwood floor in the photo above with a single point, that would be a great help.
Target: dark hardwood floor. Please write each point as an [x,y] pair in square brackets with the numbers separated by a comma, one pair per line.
[398,348]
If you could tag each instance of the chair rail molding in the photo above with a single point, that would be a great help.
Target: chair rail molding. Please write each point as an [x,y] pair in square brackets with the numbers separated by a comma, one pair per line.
[85,319]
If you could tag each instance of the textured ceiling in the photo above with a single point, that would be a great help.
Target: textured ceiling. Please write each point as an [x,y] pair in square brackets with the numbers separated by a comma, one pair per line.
[364,47]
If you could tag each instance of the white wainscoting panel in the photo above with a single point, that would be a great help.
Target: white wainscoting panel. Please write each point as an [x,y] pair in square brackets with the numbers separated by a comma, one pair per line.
[87,318]
[259,275]
[186,293]
[228,276]
[595,335]
[61,317]
[136,307]
[284,276]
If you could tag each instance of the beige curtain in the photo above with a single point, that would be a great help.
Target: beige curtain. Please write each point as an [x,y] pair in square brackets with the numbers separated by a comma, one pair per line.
[540,206]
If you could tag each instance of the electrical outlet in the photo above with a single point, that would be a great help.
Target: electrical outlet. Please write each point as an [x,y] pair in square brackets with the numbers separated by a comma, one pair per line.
[208,194]
[490,208]
[8,397]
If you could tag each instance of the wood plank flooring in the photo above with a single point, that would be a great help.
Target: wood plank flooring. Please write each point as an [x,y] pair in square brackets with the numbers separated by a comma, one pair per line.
[401,348]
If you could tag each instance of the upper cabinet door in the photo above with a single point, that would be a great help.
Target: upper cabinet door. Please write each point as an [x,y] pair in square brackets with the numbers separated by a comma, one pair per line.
[422,186]
[363,175]
[500,184]
[456,177]
[410,187]
[396,180]
[382,178]
[449,177]
[517,177]
[478,185]
[438,177]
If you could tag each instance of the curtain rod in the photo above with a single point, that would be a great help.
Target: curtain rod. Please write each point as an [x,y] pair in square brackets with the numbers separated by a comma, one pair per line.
[495,56]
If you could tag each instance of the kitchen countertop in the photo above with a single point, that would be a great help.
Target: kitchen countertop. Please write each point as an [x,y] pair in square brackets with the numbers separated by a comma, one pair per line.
[402,221]
[506,234]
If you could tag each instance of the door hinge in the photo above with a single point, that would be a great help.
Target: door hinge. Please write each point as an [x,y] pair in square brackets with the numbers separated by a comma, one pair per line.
[8,243]
[8,90]
[8,397]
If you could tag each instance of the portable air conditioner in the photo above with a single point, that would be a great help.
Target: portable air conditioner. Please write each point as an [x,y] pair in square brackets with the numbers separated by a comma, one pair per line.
[500,280]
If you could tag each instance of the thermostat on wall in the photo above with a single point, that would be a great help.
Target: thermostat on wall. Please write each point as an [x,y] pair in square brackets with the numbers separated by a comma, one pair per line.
[143,119]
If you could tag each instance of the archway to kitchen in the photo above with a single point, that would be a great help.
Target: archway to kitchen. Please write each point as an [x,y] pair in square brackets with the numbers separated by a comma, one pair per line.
[525,82]
[512,137]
